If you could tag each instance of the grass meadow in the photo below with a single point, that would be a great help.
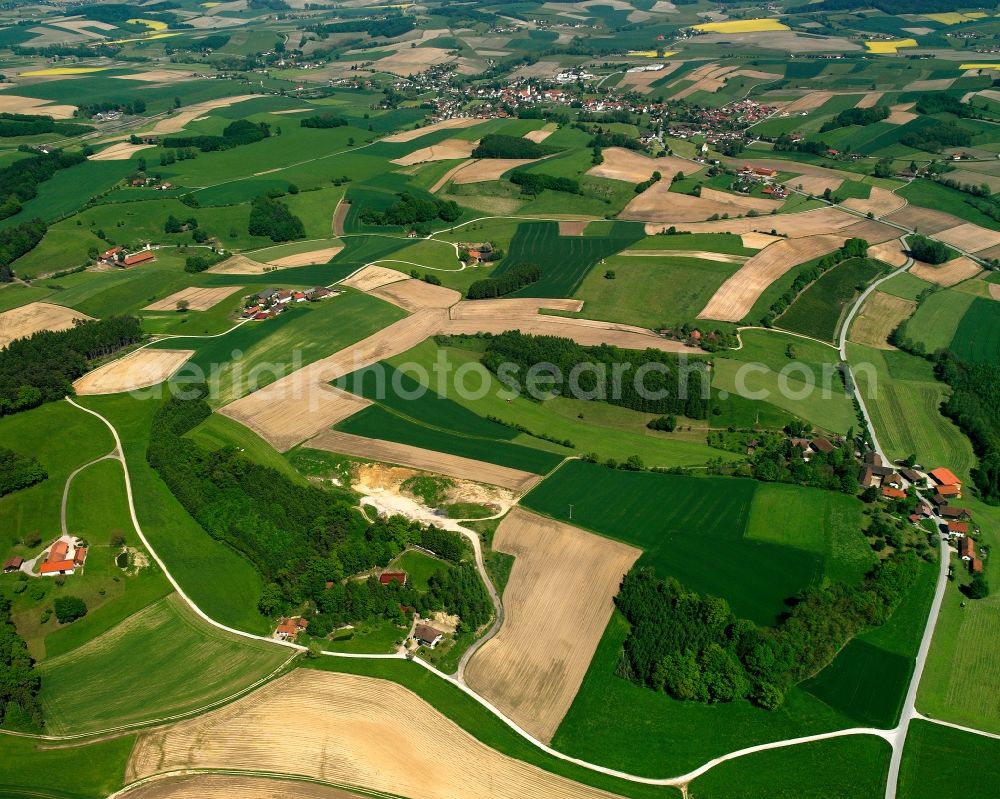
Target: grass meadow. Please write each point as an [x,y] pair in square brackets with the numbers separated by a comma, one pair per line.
[160,656]
[818,310]
[977,337]
[940,761]
[936,320]
[418,566]
[91,771]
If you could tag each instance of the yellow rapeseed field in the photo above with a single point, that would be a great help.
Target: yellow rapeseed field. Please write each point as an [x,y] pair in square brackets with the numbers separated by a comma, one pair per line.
[652,53]
[984,65]
[954,17]
[152,24]
[890,47]
[61,71]
[742,26]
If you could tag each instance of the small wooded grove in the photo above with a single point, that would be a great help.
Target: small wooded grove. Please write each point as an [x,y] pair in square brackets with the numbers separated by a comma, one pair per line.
[235,134]
[498,145]
[694,648]
[273,219]
[517,277]
[409,211]
[18,471]
[19,682]
[306,541]
[42,368]
[651,381]
[16,241]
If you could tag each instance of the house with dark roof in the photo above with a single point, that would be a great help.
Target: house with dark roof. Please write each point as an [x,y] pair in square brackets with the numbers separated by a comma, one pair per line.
[13,564]
[966,548]
[425,635]
[386,578]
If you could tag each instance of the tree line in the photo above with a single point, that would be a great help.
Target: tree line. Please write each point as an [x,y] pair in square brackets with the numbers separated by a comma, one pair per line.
[19,681]
[16,241]
[498,145]
[517,277]
[235,134]
[42,367]
[12,125]
[666,387]
[695,648]
[18,471]
[305,541]
[534,183]
[856,116]
[323,121]
[410,211]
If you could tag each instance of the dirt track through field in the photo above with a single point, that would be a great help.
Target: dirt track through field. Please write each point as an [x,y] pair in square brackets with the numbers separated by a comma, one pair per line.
[34,317]
[736,297]
[139,369]
[557,602]
[880,315]
[197,298]
[948,274]
[425,460]
[350,730]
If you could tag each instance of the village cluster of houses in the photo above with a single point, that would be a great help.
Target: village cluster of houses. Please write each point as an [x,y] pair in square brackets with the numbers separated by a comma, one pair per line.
[64,556]
[151,183]
[750,176]
[947,489]
[272,302]
[120,257]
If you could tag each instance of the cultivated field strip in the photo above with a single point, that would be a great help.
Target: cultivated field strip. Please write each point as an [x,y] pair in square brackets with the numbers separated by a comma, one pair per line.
[948,274]
[416,295]
[891,252]
[33,317]
[425,460]
[880,315]
[352,730]
[807,223]
[450,149]
[139,369]
[658,204]
[372,277]
[927,220]
[557,603]
[880,202]
[197,298]
[970,237]
[510,309]
[628,165]
[231,786]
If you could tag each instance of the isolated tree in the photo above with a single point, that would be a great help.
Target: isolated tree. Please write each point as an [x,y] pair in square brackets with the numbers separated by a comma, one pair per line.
[69,608]
[978,588]
[183,305]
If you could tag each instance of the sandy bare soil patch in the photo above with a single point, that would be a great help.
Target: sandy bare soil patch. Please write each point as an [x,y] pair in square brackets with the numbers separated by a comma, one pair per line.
[632,167]
[572,227]
[416,295]
[538,136]
[870,100]
[447,150]
[198,299]
[807,102]
[704,255]
[881,314]
[557,603]
[924,220]
[900,114]
[222,786]
[444,124]
[33,317]
[815,184]
[970,237]
[758,241]
[120,151]
[321,256]
[947,274]
[660,205]
[158,76]
[372,277]
[880,202]
[891,252]
[12,104]
[485,169]
[425,460]
[351,730]
[284,421]
[177,122]
[139,369]
[736,297]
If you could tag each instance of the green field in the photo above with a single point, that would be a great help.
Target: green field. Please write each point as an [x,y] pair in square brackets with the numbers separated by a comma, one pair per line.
[651,291]
[418,566]
[817,311]
[728,243]
[935,763]
[977,337]
[90,771]
[937,318]
[219,431]
[852,767]
[159,656]
[565,260]
[691,528]
[929,194]
[905,285]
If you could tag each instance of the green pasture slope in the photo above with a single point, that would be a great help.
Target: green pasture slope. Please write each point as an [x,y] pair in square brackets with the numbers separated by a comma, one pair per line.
[565,260]
[691,528]
[936,763]
[936,320]
[162,653]
[90,771]
[978,335]
[817,311]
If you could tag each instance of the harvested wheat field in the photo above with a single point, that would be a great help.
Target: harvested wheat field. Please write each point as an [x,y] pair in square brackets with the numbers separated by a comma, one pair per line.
[926,221]
[704,255]
[827,219]
[871,231]
[557,603]
[120,151]
[807,102]
[736,297]
[947,274]
[158,76]
[900,114]
[758,241]
[198,299]
[310,258]
[225,786]
[444,124]
[870,100]
[33,317]
[642,81]
[416,295]
[350,730]
[879,203]
[632,167]
[413,60]
[891,252]
[969,237]
[139,369]
[815,184]
[538,136]
[178,121]
[881,314]
[510,310]
[485,169]
[239,265]
[572,227]
[13,104]
[447,150]
[372,277]
[661,206]
[425,460]
[711,82]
